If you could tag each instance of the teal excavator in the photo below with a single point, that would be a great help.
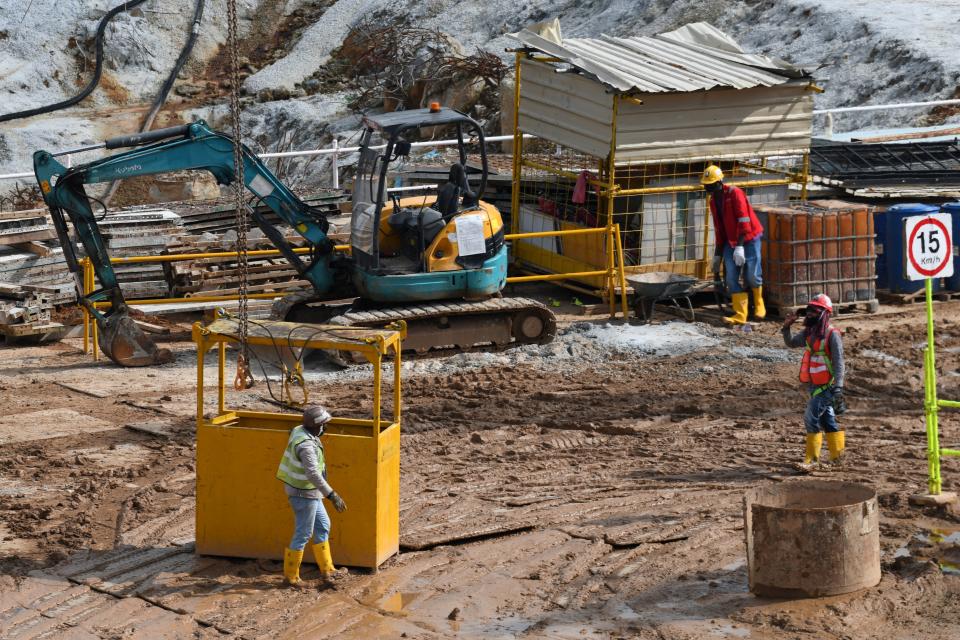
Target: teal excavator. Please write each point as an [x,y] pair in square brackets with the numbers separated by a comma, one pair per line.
[436,261]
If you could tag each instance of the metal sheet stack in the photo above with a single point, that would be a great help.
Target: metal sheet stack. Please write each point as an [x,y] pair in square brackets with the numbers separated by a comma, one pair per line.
[21,228]
[141,233]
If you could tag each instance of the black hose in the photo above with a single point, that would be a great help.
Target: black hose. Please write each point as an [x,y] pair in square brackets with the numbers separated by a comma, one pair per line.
[182,60]
[167,85]
[101,29]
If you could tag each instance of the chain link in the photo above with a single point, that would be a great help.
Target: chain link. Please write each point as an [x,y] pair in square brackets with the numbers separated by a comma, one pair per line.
[242,219]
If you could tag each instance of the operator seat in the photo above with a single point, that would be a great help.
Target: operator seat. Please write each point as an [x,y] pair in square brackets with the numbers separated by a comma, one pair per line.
[448,196]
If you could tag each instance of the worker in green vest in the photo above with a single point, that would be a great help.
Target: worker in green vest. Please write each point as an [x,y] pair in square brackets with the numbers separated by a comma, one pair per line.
[303,472]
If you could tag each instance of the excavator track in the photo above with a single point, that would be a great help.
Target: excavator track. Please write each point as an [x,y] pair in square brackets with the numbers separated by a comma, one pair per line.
[452,325]
[463,325]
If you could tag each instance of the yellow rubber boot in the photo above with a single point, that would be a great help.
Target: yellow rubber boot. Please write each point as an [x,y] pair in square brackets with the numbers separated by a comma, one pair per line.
[738,303]
[836,443]
[329,573]
[759,310]
[814,442]
[321,553]
[291,567]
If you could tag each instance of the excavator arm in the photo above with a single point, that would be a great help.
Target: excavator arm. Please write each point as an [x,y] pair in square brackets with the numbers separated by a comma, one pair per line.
[193,146]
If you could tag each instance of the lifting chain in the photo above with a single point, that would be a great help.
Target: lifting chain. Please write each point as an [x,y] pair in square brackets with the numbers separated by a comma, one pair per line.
[244,379]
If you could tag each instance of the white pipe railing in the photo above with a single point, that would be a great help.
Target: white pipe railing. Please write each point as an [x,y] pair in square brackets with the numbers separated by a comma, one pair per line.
[335,150]
[880,107]
[876,107]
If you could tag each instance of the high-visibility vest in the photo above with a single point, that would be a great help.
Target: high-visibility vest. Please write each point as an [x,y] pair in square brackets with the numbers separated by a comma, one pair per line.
[817,367]
[291,470]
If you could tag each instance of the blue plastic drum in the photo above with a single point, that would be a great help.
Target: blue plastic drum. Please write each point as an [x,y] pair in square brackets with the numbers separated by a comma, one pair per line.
[953,282]
[893,247]
[880,229]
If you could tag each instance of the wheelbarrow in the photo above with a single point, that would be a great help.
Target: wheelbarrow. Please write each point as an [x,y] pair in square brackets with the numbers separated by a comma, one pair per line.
[663,286]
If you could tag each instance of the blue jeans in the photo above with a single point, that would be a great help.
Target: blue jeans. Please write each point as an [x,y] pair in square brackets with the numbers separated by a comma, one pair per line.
[752,269]
[819,415]
[310,519]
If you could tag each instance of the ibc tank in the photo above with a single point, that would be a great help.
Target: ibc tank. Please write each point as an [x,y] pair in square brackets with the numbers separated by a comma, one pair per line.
[893,247]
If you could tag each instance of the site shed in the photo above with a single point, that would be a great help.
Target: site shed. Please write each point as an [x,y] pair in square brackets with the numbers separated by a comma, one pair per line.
[638,119]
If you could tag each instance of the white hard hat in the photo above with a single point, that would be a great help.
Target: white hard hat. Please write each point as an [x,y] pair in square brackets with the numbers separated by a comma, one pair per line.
[315,414]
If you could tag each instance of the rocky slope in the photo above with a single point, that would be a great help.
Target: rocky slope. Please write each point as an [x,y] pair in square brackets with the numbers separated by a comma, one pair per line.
[900,51]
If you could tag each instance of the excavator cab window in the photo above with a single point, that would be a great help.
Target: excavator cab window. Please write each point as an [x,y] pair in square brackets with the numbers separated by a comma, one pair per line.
[363,223]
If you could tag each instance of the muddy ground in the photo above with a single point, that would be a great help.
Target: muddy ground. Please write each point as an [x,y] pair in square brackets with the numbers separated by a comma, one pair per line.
[587,489]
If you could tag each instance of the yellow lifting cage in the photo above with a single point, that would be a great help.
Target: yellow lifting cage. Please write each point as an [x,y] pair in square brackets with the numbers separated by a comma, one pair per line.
[635,121]
[242,509]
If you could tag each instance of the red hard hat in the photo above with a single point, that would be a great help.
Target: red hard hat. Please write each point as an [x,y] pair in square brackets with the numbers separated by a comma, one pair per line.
[821,300]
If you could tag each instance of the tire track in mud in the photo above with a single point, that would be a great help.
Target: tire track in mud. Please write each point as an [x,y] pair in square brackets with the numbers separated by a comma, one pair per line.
[627,490]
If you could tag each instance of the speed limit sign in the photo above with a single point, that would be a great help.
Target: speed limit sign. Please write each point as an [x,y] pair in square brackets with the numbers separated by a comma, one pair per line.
[929,246]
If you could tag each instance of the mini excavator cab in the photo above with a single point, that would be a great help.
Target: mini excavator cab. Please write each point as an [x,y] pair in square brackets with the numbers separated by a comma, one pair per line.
[404,246]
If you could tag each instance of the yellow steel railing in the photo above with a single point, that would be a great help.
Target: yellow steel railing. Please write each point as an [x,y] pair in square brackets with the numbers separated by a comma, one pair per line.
[614,275]
[89,284]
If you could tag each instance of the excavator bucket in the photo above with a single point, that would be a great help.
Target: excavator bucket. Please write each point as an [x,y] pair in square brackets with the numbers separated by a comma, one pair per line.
[126,344]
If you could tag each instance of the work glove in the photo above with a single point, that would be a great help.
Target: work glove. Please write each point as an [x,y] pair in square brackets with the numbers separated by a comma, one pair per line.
[839,406]
[337,501]
[738,256]
[716,263]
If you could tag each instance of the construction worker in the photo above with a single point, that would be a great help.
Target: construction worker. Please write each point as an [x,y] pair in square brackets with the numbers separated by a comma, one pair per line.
[303,471]
[823,369]
[738,233]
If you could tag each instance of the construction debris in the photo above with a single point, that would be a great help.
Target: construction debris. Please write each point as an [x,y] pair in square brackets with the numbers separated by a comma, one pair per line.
[19,227]
[25,313]
[221,276]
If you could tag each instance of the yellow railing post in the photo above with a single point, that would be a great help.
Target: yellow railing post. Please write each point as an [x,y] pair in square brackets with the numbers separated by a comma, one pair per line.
[222,377]
[806,175]
[377,383]
[611,190]
[623,278]
[397,368]
[517,148]
[85,290]
[95,342]
[201,351]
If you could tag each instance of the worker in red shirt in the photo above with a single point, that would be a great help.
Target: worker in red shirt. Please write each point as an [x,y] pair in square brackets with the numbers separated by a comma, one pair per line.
[738,234]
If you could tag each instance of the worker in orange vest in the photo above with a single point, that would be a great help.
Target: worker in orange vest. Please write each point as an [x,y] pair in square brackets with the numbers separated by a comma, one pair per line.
[738,233]
[822,369]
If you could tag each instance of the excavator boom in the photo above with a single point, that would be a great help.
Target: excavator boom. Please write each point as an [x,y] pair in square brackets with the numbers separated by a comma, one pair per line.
[193,146]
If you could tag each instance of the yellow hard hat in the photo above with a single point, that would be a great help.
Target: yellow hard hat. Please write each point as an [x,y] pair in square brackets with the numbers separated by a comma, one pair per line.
[711,174]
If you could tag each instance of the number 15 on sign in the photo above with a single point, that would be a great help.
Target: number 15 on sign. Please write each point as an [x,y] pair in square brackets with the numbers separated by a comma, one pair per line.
[929,246]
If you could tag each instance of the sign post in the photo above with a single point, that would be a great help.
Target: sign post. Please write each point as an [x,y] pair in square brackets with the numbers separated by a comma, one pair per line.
[928,253]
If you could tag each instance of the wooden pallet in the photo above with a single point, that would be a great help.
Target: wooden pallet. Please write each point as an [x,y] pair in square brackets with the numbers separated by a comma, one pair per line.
[33,333]
[916,297]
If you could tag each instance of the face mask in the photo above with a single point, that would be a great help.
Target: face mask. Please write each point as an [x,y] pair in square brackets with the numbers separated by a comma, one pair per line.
[809,321]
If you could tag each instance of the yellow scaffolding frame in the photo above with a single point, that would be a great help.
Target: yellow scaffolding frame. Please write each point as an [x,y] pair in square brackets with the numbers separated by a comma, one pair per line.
[608,189]
[242,510]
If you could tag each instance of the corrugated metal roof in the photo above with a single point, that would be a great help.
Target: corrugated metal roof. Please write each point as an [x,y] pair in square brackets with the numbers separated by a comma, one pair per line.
[693,58]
